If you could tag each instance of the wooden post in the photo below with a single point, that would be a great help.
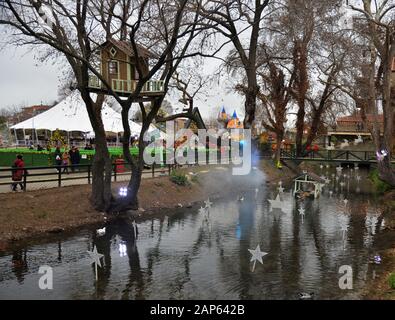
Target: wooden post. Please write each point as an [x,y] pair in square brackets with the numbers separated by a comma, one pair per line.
[153,170]
[89,174]
[59,176]
[24,179]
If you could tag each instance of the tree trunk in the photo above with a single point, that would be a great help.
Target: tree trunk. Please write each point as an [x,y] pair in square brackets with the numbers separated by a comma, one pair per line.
[316,122]
[101,196]
[300,129]
[277,155]
[130,202]
[250,103]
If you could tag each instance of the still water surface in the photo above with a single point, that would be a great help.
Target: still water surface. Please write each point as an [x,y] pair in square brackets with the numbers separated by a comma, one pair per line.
[186,257]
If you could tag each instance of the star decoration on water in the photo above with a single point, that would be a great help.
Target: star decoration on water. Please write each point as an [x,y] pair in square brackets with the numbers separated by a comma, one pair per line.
[302,213]
[208,203]
[204,212]
[344,228]
[276,203]
[280,189]
[339,169]
[358,178]
[95,258]
[257,255]
[345,202]
[327,180]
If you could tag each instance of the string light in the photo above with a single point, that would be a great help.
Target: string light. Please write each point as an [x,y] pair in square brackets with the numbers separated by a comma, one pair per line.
[123,192]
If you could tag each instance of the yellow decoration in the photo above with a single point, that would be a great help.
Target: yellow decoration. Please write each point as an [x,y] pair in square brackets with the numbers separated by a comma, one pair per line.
[57,140]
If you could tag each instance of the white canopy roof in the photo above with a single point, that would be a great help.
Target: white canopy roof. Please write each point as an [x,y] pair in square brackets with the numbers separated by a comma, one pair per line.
[71,115]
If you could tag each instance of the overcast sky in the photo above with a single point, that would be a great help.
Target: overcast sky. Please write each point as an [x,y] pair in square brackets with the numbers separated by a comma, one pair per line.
[26,81]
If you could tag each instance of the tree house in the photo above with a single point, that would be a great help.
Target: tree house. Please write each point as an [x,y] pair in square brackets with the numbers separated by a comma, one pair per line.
[116,63]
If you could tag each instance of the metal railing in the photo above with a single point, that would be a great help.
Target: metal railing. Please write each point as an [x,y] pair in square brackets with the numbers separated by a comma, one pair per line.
[58,176]
[334,156]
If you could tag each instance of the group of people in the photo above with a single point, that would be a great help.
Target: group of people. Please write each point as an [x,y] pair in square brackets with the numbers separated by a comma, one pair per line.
[68,157]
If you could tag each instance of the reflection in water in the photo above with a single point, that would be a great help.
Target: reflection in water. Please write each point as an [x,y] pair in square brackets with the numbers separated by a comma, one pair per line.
[19,264]
[189,256]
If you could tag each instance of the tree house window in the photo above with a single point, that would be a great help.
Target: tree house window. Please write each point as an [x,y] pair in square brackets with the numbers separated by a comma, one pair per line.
[113,51]
[113,67]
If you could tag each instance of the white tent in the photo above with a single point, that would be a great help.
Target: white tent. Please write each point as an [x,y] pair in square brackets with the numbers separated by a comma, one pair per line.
[71,115]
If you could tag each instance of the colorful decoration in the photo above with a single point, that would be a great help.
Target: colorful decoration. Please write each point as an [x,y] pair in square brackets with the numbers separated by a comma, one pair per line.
[235,122]
[381,154]
[57,140]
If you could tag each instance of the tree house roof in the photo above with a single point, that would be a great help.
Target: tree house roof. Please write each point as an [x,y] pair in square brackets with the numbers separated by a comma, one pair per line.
[127,48]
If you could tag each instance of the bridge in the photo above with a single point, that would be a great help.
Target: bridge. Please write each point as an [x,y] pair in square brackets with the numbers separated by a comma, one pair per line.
[337,156]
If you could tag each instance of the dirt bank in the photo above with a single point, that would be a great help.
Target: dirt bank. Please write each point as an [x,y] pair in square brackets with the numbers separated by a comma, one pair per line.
[37,213]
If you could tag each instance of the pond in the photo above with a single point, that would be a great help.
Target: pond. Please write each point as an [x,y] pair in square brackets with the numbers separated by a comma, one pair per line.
[188,255]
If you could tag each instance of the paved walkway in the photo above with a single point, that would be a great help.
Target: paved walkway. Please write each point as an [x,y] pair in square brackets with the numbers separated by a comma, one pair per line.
[80,178]
[71,179]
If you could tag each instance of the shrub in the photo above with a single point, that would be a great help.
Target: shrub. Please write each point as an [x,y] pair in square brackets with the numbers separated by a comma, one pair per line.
[391,280]
[379,185]
[179,178]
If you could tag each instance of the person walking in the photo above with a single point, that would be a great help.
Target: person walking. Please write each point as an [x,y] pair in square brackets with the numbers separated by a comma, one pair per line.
[66,161]
[58,158]
[18,172]
[74,158]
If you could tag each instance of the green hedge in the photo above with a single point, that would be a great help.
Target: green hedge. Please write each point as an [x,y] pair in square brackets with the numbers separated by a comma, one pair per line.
[34,158]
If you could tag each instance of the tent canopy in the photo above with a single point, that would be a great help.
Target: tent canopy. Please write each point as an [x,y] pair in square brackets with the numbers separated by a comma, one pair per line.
[71,115]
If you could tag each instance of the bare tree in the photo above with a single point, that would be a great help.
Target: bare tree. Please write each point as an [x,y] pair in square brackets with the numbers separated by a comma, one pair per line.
[68,30]
[373,50]
[303,36]
[76,28]
[232,19]
[275,103]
